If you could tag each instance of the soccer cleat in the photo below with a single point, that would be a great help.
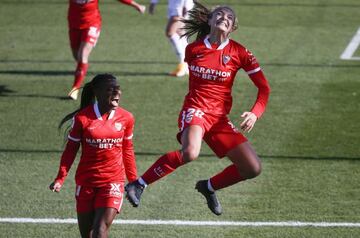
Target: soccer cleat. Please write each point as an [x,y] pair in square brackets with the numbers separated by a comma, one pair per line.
[73,94]
[181,70]
[133,192]
[211,199]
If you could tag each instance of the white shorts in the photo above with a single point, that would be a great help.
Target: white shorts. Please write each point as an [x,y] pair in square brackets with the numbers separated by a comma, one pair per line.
[175,7]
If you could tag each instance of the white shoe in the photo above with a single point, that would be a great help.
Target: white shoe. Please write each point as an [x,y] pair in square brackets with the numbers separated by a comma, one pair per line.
[73,94]
[181,70]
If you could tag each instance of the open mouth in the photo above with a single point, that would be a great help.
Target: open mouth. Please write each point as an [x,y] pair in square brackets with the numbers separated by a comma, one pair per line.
[115,101]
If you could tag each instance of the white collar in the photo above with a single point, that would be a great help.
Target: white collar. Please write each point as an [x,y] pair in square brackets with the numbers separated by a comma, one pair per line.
[98,115]
[220,47]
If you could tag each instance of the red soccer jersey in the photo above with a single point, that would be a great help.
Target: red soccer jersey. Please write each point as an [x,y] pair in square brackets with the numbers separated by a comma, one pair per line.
[212,71]
[83,13]
[107,149]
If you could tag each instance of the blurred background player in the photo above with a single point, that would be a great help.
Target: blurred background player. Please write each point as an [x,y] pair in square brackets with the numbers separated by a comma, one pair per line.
[213,61]
[177,10]
[104,130]
[84,21]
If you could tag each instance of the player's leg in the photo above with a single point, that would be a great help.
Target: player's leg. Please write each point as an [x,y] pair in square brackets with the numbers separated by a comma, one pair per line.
[225,140]
[191,144]
[89,39]
[85,223]
[108,203]
[85,211]
[173,32]
[140,8]
[104,217]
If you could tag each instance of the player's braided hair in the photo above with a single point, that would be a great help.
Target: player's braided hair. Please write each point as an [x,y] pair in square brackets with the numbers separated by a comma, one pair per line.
[199,16]
[87,95]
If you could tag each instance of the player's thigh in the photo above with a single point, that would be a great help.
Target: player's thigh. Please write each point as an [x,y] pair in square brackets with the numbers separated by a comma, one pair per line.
[173,25]
[191,139]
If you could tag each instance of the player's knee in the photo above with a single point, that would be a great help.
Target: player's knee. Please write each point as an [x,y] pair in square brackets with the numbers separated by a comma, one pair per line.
[100,230]
[189,155]
[254,170]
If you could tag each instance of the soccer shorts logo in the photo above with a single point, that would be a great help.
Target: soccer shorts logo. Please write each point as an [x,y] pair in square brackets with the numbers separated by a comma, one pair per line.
[115,189]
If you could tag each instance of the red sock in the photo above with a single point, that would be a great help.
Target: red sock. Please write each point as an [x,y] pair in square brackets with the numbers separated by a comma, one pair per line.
[127,2]
[163,166]
[229,176]
[80,74]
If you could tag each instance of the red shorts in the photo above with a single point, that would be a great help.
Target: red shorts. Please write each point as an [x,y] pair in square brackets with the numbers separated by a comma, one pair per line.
[218,131]
[90,198]
[90,35]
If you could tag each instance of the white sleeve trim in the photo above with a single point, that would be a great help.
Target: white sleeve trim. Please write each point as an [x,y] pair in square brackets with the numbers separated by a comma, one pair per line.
[129,137]
[73,139]
[254,70]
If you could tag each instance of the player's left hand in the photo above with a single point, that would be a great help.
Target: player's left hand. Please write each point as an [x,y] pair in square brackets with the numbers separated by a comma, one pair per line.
[248,122]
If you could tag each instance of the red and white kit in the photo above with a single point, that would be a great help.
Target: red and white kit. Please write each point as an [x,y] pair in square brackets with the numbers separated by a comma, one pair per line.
[107,157]
[84,22]
[212,70]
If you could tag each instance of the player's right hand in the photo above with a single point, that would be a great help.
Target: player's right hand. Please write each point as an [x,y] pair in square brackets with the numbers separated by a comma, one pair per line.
[55,187]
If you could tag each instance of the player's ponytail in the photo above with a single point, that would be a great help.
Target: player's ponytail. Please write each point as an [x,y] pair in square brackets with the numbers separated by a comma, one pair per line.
[87,97]
[197,22]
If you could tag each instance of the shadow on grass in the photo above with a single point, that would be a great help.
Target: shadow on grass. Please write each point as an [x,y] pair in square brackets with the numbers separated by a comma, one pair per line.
[6,92]
[136,62]
[71,73]
[157,154]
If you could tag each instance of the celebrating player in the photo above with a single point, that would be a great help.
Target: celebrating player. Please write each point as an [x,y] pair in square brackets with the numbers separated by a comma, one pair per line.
[177,11]
[213,61]
[105,133]
[84,22]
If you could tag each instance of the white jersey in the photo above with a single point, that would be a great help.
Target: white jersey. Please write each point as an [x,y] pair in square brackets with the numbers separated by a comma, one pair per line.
[177,7]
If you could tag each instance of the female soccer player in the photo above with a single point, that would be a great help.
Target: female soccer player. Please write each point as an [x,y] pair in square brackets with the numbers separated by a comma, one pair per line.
[177,11]
[213,60]
[84,22]
[104,130]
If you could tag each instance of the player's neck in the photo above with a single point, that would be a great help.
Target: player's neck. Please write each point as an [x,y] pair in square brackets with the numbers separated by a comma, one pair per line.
[217,37]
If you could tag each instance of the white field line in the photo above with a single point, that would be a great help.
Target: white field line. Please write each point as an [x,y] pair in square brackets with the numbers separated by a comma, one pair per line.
[186,223]
[351,48]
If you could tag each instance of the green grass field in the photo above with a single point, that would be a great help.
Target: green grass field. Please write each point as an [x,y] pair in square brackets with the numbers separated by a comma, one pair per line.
[308,139]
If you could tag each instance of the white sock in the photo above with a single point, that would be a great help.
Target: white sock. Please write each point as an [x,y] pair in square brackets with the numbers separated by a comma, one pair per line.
[211,189]
[179,46]
[142,182]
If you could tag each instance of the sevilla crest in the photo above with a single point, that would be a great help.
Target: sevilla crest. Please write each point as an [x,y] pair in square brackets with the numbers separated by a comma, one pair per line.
[118,126]
[226,59]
